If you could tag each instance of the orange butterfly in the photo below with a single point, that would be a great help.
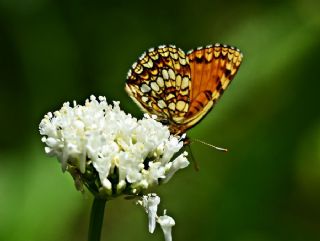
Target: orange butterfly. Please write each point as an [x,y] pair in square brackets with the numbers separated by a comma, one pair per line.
[180,89]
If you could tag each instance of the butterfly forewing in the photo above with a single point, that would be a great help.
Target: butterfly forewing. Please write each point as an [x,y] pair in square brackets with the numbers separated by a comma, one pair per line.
[180,88]
[212,69]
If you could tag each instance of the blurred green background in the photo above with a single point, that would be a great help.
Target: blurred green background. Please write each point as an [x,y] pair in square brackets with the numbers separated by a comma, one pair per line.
[267,188]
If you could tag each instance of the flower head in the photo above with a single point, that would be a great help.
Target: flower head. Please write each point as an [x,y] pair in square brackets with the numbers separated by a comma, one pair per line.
[108,150]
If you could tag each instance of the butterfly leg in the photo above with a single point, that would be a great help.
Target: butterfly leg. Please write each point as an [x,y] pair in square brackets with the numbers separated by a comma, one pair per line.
[195,163]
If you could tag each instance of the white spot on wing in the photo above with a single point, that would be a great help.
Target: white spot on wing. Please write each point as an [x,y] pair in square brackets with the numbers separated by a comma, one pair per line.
[154,86]
[145,88]
[165,74]
[185,82]
[162,104]
[190,51]
[160,82]
[172,106]
[144,99]
[172,75]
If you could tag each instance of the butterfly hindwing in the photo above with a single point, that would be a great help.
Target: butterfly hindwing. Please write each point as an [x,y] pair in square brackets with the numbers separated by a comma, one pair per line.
[159,82]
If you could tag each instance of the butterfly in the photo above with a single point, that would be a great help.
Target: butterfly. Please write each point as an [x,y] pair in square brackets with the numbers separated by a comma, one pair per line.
[181,88]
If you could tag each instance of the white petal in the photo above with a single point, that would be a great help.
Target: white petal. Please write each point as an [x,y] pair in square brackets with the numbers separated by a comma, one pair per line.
[107,184]
[150,203]
[179,163]
[166,222]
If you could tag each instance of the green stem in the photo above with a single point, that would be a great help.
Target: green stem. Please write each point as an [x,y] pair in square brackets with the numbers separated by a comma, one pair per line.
[96,218]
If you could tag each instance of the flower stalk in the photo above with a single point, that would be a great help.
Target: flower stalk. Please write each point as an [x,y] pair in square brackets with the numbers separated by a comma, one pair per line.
[96,218]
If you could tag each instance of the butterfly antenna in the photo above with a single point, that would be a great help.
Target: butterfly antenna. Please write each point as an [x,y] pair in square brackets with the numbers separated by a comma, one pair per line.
[207,144]
[195,163]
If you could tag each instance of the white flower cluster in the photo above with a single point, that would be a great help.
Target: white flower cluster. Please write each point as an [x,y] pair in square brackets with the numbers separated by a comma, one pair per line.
[150,203]
[137,152]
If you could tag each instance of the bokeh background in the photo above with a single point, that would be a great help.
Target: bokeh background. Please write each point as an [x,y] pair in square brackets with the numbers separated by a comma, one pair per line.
[267,188]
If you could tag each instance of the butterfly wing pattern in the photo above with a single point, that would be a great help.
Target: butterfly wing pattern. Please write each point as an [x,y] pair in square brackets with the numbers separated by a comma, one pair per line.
[180,89]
